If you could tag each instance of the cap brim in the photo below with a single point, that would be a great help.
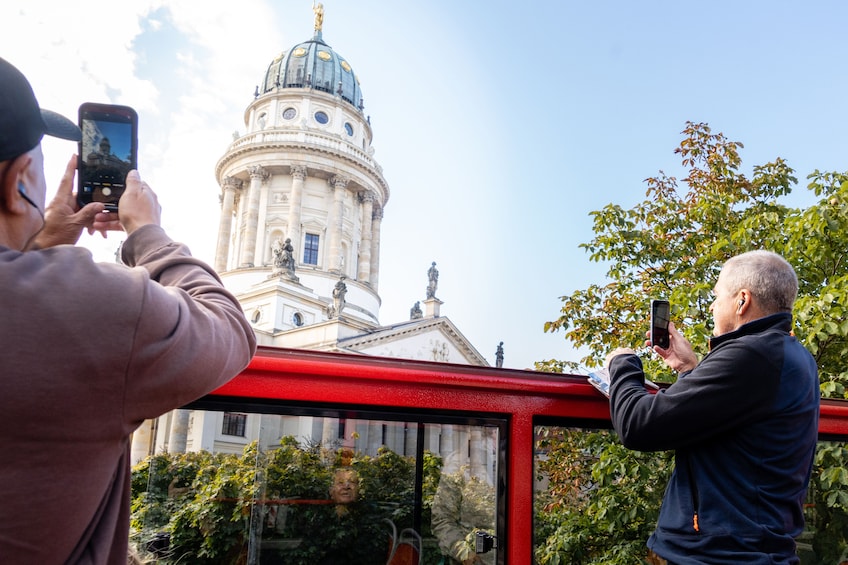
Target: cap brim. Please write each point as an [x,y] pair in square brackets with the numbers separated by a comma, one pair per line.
[57,125]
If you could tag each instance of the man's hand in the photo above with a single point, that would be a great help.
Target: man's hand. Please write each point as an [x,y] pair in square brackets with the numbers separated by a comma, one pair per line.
[63,220]
[137,207]
[616,353]
[679,355]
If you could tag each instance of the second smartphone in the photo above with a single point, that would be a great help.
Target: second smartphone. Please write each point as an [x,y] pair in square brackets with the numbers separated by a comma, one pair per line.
[660,317]
[107,152]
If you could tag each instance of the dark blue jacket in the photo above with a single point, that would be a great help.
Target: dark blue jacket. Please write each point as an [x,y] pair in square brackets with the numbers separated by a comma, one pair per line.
[744,426]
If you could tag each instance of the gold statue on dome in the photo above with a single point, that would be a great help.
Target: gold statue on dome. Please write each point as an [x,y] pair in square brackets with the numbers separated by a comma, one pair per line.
[319,15]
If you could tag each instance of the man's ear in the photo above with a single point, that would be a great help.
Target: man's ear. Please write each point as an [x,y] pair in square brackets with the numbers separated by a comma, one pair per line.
[12,180]
[743,300]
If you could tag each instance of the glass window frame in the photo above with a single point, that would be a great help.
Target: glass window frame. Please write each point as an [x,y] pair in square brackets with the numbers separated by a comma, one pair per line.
[419,417]
[311,246]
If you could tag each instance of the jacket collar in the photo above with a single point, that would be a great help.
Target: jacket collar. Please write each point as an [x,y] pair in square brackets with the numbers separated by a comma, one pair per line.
[781,321]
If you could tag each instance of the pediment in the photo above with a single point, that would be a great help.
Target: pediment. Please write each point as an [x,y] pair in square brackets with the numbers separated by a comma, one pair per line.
[431,339]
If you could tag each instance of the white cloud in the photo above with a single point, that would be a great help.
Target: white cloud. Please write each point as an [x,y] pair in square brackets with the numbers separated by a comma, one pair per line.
[73,53]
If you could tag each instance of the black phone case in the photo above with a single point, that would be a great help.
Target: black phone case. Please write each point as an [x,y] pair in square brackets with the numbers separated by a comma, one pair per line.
[659,323]
[107,152]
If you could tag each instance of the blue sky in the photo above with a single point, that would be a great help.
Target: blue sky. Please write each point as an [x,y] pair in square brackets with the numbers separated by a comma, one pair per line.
[499,126]
[119,136]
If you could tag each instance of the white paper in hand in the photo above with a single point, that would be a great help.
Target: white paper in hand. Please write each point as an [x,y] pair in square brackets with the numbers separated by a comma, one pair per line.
[600,379]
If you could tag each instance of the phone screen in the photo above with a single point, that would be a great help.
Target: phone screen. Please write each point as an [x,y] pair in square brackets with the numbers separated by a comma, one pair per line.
[107,152]
[660,315]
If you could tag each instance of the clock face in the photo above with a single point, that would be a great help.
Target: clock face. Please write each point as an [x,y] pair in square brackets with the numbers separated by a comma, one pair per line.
[289,113]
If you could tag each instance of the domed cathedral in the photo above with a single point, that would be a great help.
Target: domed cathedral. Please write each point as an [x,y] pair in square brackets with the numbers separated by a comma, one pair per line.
[302,200]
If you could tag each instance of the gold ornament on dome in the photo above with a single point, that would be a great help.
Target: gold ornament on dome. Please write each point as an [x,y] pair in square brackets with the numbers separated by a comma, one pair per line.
[323,55]
[319,15]
[345,66]
[299,52]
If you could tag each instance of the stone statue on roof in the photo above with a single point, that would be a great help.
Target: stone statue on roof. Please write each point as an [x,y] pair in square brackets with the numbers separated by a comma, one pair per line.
[415,312]
[433,276]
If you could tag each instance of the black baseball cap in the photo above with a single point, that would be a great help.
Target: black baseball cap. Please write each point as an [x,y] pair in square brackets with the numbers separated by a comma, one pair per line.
[22,122]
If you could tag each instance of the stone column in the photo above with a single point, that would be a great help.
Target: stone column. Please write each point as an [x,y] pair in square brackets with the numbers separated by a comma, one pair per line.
[334,225]
[330,431]
[478,453]
[179,431]
[298,173]
[375,436]
[225,224]
[248,244]
[141,441]
[374,277]
[364,270]
[449,443]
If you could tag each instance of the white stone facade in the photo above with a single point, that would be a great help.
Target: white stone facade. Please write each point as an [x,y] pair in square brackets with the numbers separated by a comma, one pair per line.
[304,173]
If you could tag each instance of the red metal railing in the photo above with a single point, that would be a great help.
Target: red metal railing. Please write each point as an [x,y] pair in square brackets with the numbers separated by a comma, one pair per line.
[524,398]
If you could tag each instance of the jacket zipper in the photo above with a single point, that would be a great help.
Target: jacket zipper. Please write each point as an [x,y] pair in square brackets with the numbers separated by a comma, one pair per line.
[694,492]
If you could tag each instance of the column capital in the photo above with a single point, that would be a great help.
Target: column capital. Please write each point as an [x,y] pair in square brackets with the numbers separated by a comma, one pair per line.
[298,172]
[366,196]
[377,213]
[339,181]
[257,172]
[232,183]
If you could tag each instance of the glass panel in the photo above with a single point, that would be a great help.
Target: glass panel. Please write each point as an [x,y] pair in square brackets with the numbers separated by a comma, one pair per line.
[324,75]
[295,72]
[313,489]
[825,537]
[464,502]
[597,502]
[349,90]
[310,249]
[272,77]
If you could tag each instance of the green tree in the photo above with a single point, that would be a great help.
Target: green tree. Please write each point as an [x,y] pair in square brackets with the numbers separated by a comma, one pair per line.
[603,501]
[214,507]
[673,244]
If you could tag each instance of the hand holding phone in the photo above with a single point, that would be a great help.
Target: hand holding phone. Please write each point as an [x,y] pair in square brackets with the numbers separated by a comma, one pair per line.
[107,152]
[660,316]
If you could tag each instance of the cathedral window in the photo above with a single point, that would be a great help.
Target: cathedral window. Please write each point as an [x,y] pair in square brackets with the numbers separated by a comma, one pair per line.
[234,424]
[310,249]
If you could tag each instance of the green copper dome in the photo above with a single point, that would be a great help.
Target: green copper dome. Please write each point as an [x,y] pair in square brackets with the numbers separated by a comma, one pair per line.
[313,64]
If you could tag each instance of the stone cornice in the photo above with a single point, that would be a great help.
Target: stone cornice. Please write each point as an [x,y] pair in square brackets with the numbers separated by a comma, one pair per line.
[414,327]
[296,137]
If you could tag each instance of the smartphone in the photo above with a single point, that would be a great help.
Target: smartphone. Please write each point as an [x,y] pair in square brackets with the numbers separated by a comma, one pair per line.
[107,152]
[660,316]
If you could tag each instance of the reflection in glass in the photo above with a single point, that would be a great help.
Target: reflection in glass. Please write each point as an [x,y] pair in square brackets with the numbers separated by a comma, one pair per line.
[317,490]
[596,501]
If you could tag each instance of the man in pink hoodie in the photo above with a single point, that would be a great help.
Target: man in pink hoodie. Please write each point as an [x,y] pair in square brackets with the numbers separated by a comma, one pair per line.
[89,350]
